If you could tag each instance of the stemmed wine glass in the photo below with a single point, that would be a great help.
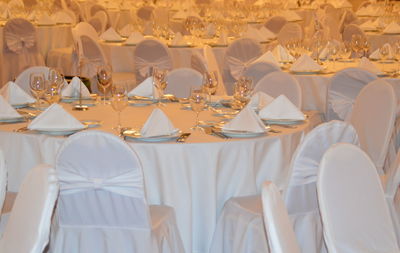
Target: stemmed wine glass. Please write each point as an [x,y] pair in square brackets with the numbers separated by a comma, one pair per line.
[119,100]
[396,51]
[197,102]
[104,78]
[344,52]
[210,84]
[160,83]
[37,85]
[384,53]
[357,43]
[242,91]
[55,83]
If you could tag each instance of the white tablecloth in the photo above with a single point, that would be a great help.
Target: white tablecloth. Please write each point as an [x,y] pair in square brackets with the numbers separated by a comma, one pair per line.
[196,178]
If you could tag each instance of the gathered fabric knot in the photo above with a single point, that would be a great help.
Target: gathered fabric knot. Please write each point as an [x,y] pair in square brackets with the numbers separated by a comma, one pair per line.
[237,67]
[144,66]
[17,43]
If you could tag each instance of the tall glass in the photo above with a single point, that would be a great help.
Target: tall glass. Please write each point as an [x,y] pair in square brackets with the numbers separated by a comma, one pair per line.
[210,84]
[159,83]
[104,78]
[119,100]
[37,85]
[384,53]
[242,91]
[197,102]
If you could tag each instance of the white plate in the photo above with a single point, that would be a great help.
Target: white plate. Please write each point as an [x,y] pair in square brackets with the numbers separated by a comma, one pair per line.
[19,106]
[282,121]
[140,103]
[310,72]
[241,134]
[12,120]
[72,99]
[137,137]
[60,132]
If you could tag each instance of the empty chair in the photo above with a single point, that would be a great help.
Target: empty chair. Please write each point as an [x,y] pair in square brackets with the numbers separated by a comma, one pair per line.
[279,230]
[239,55]
[352,203]
[150,53]
[343,90]
[23,79]
[278,83]
[373,117]
[290,32]
[86,29]
[212,66]
[102,205]
[145,13]
[20,48]
[181,81]
[256,71]
[28,227]
[350,30]
[198,62]
[275,23]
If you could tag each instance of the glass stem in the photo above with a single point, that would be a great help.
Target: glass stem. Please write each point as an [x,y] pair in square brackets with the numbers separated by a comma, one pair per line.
[119,121]
[197,119]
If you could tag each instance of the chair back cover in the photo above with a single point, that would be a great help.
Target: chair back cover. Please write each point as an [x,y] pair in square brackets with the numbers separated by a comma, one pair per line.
[91,56]
[343,90]
[278,83]
[84,28]
[352,203]
[19,48]
[373,117]
[350,30]
[198,62]
[257,70]
[181,81]
[28,227]
[23,79]
[102,15]
[150,53]
[3,179]
[275,23]
[301,194]
[289,32]
[392,194]
[145,13]
[278,227]
[212,66]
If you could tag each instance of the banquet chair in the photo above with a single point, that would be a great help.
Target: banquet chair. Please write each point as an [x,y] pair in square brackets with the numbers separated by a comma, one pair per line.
[86,29]
[342,91]
[102,205]
[198,62]
[275,23]
[3,181]
[278,83]
[257,70]
[145,13]
[352,203]
[239,55]
[212,66]
[20,49]
[150,53]
[289,32]
[181,81]
[278,227]
[28,226]
[239,226]
[350,30]
[22,79]
[98,23]
[373,117]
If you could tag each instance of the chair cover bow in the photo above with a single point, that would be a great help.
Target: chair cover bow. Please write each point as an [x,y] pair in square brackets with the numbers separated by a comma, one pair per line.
[88,66]
[18,43]
[144,66]
[341,104]
[237,67]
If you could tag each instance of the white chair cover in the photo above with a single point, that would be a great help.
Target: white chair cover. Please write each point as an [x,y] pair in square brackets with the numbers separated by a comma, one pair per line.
[256,71]
[161,15]
[342,91]
[198,62]
[145,13]
[3,180]
[102,205]
[20,48]
[290,32]
[28,227]
[353,208]
[103,17]
[239,55]
[97,24]
[23,79]
[278,83]
[391,187]
[181,81]
[373,117]
[212,66]
[279,230]
[84,28]
[150,53]
[275,23]
[300,195]
[350,30]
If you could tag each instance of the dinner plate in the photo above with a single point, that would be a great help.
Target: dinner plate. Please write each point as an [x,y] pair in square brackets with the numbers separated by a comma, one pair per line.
[59,132]
[241,134]
[140,103]
[135,135]
[19,106]
[282,121]
[310,72]
[180,46]
[114,41]
[72,99]
[218,45]
[12,120]
[91,123]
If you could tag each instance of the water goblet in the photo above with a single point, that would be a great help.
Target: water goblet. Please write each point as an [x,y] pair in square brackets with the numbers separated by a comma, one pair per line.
[197,101]
[160,83]
[104,78]
[384,53]
[242,91]
[119,101]
[210,84]
[396,50]
[37,85]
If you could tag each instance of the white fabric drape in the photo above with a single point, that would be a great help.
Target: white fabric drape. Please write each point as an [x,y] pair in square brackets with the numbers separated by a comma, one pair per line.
[181,81]
[258,70]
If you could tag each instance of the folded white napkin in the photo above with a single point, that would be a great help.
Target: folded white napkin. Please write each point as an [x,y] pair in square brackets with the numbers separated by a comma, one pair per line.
[7,111]
[376,55]
[134,38]
[55,118]
[32,16]
[259,100]
[223,39]
[342,4]
[75,87]
[110,35]
[370,66]
[291,4]
[369,25]
[281,108]
[179,40]
[247,120]
[392,28]
[291,16]
[305,63]
[326,52]
[366,11]
[15,95]
[266,33]
[281,54]
[127,30]
[157,124]
[45,20]
[144,89]
[253,33]
[62,17]
[267,57]
[6,14]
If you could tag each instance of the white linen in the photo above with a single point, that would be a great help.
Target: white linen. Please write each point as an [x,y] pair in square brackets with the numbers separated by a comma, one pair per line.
[305,63]
[127,30]
[3,181]
[179,40]
[259,100]
[246,120]
[62,17]
[15,95]
[258,35]
[144,89]
[266,34]
[392,28]
[291,16]
[259,69]
[158,124]
[267,57]
[75,89]
[223,39]
[55,118]
[376,55]
[281,54]
[281,108]
[345,229]
[134,38]
[368,65]
[181,81]
[290,32]
[7,111]
[45,19]
[110,34]
[369,25]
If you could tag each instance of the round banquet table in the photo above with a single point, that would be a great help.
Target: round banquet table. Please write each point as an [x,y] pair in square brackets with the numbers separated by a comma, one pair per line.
[196,177]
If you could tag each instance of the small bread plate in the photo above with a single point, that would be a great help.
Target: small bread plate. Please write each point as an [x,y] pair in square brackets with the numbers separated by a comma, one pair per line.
[12,120]
[282,121]
[136,136]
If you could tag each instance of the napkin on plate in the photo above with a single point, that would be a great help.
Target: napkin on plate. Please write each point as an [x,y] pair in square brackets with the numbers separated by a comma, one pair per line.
[179,40]
[157,124]
[74,88]
[45,20]
[55,118]
[223,39]
[127,30]
[15,95]
[134,38]
[280,109]
[62,17]
[342,4]
[367,11]
[246,120]
[291,16]
[144,89]
[266,34]
[281,54]
[370,66]
[253,33]
[376,55]
[306,63]
[369,25]
[259,100]
[392,28]
[110,35]
[7,111]
[210,30]
[267,57]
